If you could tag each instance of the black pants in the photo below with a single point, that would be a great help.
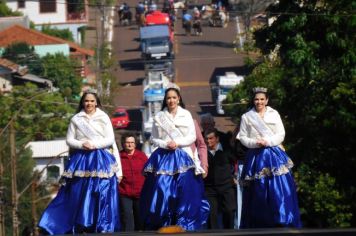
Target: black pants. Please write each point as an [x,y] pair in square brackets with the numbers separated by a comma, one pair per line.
[221,200]
[130,214]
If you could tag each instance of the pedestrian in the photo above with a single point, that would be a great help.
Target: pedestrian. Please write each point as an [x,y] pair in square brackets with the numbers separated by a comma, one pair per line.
[269,198]
[88,200]
[132,161]
[207,122]
[219,184]
[187,22]
[173,192]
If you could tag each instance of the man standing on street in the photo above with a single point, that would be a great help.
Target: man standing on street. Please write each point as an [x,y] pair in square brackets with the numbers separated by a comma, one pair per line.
[219,184]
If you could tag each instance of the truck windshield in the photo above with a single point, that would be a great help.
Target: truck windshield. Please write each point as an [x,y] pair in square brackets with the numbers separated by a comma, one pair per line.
[224,91]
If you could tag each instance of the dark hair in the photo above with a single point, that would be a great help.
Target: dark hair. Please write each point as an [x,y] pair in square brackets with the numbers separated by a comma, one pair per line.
[128,135]
[210,131]
[81,103]
[164,104]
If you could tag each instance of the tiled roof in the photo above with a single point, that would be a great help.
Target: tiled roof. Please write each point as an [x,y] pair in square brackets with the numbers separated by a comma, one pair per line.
[17,33]
[13,66]
[47,149]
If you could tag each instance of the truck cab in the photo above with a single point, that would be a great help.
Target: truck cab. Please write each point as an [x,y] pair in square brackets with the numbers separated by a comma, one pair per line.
[225,83]
[160,18]
[155,42]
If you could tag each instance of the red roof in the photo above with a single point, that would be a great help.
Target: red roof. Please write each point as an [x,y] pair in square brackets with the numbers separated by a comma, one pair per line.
[17,33]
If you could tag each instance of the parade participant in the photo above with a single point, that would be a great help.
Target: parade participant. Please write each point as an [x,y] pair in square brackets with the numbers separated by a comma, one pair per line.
[269,198]
[88,200]
[173,192]
[219,184]
[132,161]
[187,22]
[197,21]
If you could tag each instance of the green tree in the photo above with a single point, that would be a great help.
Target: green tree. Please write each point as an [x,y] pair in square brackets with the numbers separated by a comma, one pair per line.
[37,115]
[62,71]
[65,34]
[23,54]
[323,203]
[6,11]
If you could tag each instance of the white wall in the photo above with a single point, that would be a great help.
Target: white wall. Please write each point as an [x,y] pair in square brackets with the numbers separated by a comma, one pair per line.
[32,9]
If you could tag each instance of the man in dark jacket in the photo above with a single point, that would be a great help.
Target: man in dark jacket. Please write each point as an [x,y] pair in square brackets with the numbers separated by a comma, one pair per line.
[219,184]
[132,161]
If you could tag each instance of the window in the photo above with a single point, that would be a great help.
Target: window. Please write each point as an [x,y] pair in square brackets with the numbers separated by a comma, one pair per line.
[47,6]
[21,4]
[52,173]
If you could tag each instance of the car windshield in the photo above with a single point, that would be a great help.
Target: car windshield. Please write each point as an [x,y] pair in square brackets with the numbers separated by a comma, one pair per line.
[119,114]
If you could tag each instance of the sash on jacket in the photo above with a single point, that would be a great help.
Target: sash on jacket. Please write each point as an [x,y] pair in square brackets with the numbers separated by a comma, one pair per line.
[260,125]
[173,132]
[84,127]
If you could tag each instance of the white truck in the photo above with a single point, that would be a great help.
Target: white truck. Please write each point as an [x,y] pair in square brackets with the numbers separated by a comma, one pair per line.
[225,83]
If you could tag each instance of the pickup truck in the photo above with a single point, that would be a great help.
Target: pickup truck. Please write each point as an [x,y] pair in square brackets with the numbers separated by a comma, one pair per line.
[225,83]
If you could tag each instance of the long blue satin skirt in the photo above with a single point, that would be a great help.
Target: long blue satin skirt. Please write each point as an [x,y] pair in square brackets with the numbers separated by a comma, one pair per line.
[88,200]
[269,194]
[172,193]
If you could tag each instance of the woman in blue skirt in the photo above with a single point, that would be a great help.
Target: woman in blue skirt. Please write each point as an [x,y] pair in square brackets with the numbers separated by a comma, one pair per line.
[88,199]
[269,194]
[173,192]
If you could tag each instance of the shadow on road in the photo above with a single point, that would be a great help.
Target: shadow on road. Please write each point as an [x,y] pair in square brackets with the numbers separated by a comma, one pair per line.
[132,64]
[210,43]
[137,82]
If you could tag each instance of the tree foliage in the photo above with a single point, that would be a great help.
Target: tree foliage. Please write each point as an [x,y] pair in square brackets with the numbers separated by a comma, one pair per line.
[61,70]
[65,34]
[23,54]
[6,11]
[37,115]
[313,84]
[323,204]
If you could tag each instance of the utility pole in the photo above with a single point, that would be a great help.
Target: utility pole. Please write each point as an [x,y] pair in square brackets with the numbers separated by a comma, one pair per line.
[15,223]
[33,206]
[2,188]
[99,47]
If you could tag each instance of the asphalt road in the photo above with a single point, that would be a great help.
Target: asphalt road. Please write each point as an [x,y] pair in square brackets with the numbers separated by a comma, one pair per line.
[198,59]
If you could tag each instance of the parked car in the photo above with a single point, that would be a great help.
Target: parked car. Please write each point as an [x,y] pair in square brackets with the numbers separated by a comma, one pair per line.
[120,118]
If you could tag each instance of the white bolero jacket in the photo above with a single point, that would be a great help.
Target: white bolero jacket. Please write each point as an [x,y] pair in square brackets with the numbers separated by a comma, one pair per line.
[100,122]
[248,134]
[104,134]
[184,122]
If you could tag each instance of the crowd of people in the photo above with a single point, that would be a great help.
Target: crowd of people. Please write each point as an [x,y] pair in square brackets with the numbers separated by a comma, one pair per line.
[192,180]
[214,14]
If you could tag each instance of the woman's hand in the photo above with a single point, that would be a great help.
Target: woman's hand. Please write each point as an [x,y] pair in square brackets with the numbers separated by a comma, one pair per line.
[172,145]
[119,178]
[88,146]
[261,143]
